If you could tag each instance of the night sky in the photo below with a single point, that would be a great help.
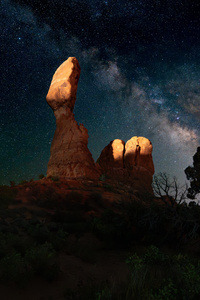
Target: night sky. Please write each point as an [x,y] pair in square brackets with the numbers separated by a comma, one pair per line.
[140,76]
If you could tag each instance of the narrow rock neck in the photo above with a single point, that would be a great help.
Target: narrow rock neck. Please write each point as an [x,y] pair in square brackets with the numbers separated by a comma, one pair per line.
[63,112]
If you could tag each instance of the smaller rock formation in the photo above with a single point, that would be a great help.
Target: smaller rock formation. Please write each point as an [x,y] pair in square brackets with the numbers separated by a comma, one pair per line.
[130,163]
[112,156]
[70,156]
[138,152]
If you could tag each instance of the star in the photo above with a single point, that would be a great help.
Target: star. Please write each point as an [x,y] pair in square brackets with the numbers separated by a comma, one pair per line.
[139,77]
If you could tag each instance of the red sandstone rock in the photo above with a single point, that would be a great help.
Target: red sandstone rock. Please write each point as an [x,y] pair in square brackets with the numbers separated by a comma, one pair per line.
[112,155]
[70,157]
[63,88]
[131,163]
[138,152]
[111,160]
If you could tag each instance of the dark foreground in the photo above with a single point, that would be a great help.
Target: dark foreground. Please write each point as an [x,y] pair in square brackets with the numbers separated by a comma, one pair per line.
[61,240]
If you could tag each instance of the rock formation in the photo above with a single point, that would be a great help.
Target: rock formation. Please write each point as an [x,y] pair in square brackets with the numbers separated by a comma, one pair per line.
[70,157]
[130,163]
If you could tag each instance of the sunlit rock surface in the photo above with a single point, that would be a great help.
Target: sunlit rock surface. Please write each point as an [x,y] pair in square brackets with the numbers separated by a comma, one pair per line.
[130,163]
[70,157]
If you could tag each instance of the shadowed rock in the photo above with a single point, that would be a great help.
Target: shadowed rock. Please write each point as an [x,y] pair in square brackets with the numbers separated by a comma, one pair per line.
[130,163]
[70,157]
[112,156]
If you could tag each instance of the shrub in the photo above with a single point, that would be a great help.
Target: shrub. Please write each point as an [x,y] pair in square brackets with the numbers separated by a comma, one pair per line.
[48,199]
[4,248]
[39,232]
[167,292]
[41,176]
[58,239]
[155,275]
[102,177]
[55,178]
[74,196]
[14,268]
[23,182]
[94,200]
[42,261]
[153,255]
[108,187]
[112,227]
[90,291]
[7,195]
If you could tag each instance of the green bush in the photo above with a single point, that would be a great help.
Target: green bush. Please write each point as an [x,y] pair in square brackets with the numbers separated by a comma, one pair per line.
[42,261]
[112,227]
[160,224]
[13,268]
[167,292]
[39,232]
[23,182]
[4,247]
[74,196]
[154,255]
[42,233]
[41,176]
[55,178]
[155,275]
[58,239]
[102,177]
[102,291]
[48,199]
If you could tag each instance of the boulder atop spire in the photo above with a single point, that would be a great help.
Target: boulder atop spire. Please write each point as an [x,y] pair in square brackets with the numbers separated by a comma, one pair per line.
[63,88]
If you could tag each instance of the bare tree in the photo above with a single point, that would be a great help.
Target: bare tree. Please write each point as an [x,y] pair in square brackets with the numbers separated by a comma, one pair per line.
[169,189]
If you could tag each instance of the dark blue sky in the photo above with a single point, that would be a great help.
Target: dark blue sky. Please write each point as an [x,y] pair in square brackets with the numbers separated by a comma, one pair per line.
[140,76]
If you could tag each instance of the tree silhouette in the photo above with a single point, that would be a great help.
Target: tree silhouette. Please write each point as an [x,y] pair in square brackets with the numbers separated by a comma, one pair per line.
[168,188]
[193,175]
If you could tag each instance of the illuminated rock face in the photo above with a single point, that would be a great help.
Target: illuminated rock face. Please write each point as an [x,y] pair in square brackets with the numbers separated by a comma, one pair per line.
[70,157]
[130,163]
[138,153]
[112,156]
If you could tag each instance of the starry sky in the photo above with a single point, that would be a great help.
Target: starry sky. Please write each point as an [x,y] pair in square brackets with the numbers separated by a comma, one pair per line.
[140,76]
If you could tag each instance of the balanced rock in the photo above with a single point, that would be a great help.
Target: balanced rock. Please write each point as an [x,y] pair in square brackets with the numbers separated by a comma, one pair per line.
[129,163]
[70,156]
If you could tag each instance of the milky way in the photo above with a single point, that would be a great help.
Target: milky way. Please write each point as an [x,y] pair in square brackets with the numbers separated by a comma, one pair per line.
[140,76]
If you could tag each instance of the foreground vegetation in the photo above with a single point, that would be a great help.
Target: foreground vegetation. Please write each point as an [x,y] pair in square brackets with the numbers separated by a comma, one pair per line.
[162,242]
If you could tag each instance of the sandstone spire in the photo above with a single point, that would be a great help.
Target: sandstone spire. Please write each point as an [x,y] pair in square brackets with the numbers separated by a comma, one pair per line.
[70,157]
